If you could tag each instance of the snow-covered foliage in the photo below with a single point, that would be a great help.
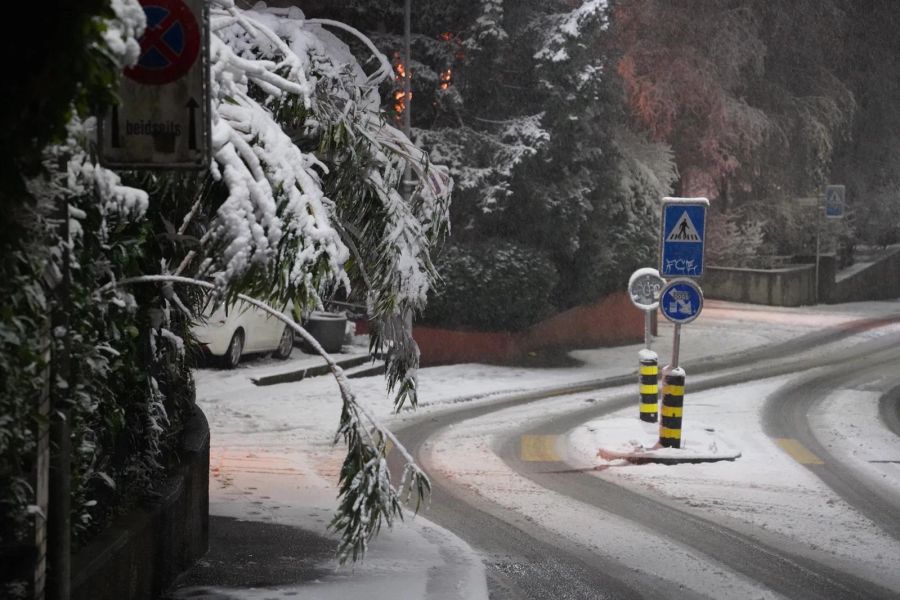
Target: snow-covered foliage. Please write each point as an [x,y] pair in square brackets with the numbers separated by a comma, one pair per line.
[301,199]
[488,26]
[733,240]
[122,32]
[557,30]
[482,160]
[311,173]
[282,86]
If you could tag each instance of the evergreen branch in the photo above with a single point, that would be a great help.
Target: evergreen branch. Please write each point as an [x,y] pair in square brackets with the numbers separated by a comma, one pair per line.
[367,498]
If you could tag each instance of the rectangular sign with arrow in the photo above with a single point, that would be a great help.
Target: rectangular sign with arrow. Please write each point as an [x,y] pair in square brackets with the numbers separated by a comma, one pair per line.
[682,240]
[163,118]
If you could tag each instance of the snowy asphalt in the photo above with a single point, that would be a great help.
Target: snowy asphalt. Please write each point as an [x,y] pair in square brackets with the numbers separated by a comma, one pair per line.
[275,468]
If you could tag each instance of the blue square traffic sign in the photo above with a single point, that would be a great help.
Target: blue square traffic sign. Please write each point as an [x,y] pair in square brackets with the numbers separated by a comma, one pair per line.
[834,201]
[683,234]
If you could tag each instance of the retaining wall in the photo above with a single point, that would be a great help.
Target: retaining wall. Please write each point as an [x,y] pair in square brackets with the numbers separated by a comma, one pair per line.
[788,286]
[611,322]
[140,554]
[878,281]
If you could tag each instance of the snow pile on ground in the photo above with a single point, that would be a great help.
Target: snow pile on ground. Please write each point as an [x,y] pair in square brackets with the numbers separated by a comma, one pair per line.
[633,440]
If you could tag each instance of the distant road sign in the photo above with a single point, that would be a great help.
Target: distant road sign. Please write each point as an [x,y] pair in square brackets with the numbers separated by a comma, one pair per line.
[834,201]
[644,288]
[163,118]
[682,239]
[681,301]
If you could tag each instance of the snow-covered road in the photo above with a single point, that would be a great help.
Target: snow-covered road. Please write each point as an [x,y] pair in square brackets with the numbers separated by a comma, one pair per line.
[273,461]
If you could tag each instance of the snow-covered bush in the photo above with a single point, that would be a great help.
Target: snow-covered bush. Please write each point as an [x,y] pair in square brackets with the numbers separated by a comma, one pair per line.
[733,241]
[492,286]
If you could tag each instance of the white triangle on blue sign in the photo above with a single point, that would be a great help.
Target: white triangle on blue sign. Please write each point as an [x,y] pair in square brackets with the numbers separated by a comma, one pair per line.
[684,230]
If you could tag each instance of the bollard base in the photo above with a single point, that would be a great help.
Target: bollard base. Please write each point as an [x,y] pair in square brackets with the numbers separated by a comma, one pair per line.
[630,440]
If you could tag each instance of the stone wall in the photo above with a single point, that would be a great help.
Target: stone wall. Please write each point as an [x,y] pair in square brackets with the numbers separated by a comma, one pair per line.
[878,281]
[788,286]
[795,285]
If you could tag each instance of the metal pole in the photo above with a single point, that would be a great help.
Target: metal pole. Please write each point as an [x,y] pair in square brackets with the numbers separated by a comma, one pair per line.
[676,346]
[42,470]
[407,73]
[59,526]
[818,235]
[648,336]
[408,186]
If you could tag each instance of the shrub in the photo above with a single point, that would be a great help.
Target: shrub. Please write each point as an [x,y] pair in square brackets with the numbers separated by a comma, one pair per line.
[733,241]
[498,286]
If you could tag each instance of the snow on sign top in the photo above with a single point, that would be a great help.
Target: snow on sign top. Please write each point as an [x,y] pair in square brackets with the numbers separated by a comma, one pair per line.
[682,236]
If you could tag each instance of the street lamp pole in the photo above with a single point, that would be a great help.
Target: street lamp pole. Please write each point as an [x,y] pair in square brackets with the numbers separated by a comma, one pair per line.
[407,74]
[407,187]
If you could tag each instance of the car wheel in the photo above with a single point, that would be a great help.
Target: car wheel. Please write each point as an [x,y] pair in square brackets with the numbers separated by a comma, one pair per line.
[286,344]
[235,350]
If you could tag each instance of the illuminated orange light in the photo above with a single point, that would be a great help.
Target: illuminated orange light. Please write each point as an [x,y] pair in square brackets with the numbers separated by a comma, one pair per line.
[401,77]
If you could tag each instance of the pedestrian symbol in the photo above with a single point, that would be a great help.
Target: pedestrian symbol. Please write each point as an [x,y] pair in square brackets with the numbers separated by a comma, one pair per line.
[684,230]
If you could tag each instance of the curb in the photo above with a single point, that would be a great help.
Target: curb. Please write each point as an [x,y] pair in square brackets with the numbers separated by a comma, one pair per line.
[300,374]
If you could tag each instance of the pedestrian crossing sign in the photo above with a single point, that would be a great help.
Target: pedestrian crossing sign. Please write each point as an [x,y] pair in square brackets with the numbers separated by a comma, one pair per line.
[681,242]
[834,201]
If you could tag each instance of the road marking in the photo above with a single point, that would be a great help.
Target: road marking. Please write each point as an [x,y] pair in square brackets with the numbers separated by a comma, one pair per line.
[798,452]
[539,448]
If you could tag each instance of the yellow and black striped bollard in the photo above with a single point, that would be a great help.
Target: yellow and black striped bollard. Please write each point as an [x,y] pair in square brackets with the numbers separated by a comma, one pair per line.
[648,381]
[672,406]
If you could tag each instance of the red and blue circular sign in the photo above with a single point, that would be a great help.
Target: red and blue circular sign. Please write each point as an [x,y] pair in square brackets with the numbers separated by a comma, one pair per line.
[170,44]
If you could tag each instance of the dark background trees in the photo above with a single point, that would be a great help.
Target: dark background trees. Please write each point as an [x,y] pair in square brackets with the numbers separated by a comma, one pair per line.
[551,192]
[566,121]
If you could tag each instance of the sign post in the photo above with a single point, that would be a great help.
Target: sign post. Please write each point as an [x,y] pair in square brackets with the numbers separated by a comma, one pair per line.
[163,119]
[681,302]
[681,253]
[644,288]
[833,207]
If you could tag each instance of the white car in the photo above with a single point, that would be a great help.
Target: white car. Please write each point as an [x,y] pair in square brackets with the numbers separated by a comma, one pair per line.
[230,332]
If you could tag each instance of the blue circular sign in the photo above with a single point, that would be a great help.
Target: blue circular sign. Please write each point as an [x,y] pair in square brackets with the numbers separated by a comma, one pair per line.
[681,301]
